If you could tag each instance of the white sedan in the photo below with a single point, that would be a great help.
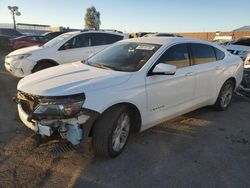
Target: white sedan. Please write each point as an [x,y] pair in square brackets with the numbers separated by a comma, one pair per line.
[129,87]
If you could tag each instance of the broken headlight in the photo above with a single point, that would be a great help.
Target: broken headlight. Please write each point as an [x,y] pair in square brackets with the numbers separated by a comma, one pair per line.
[62,106]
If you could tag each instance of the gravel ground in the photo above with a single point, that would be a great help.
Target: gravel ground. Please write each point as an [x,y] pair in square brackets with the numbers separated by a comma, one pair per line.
[204,148]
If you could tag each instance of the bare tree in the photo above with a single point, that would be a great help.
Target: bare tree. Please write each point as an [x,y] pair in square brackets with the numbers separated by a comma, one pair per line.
[92,18]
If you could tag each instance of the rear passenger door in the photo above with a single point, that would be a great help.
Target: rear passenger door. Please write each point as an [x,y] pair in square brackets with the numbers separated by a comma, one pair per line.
[207,70]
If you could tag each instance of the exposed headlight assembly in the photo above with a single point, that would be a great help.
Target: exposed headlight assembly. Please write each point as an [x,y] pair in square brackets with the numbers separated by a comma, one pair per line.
[62,106]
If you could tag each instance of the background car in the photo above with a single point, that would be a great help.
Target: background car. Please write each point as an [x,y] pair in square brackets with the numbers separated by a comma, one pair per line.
[241,47]
[26,41]
[162,35]
[223,40]
[12,33]
[66,48]
[6,35]
[4,43]
[50,35]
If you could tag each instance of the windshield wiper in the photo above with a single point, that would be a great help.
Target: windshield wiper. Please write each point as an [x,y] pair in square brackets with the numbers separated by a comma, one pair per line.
[100,66]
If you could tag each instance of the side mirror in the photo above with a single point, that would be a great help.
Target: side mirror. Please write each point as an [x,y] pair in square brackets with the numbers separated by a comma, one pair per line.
[164,69]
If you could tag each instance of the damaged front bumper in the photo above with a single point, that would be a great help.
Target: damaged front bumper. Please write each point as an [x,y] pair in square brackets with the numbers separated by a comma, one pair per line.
[72,129]
[18,72]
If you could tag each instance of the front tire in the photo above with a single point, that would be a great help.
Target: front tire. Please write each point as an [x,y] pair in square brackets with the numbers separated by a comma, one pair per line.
[111,131]
[225,96]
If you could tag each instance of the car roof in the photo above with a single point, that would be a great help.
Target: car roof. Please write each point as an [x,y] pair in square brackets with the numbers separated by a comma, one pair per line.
[96,31]
[164,40]
[25,36]
[33,36]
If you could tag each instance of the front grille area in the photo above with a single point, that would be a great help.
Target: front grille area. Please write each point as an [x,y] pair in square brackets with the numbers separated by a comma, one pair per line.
[28,102]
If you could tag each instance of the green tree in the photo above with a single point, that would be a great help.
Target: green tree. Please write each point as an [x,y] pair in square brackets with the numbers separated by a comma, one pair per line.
[92,18]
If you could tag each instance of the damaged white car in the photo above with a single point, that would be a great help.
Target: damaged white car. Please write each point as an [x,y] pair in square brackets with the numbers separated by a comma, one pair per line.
[128,87]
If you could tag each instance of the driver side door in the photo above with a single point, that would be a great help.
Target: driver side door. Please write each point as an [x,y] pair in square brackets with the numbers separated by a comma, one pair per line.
[170,95]
[76,49]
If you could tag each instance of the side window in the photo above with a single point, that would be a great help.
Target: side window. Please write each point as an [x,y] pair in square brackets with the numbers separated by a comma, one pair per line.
[98,39]
[31,38]
[78,41]
[176,55]
[40,38]
[83,40]
[104,39]
[202,53]
[110,38]
[219,54]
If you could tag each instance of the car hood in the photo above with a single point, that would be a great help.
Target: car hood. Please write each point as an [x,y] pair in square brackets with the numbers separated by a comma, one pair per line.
[69,79]
[26,50]
[235,47]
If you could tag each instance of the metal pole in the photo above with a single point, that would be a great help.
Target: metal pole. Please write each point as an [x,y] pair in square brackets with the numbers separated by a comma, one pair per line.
[14,20]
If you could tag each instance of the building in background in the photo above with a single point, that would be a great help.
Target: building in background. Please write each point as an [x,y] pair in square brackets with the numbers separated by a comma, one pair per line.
[33,28]
[63,29]
[28,28]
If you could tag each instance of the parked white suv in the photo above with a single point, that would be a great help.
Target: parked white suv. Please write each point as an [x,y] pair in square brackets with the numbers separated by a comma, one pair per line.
[128,87]
[66,48]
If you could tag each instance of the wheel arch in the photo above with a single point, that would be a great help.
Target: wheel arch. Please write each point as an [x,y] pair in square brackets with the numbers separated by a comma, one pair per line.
[233,79]
[134,111]
[51,61]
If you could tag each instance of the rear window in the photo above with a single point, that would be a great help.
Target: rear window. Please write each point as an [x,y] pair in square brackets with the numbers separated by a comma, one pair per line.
[219,54]
[202,53]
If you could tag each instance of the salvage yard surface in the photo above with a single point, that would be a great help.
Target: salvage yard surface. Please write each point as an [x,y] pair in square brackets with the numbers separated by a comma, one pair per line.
[205,148]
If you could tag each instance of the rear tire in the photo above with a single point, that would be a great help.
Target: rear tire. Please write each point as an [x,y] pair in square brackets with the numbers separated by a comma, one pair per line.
[225,96]
[42,65]
[111,131]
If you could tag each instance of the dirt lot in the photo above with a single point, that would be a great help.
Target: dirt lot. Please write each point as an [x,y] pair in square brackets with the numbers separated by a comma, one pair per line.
[204,148]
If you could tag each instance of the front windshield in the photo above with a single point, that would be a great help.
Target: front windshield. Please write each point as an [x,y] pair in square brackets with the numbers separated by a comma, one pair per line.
[127,57]
[58,39]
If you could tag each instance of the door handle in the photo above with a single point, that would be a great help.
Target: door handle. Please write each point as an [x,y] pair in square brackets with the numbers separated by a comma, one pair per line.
[189,74]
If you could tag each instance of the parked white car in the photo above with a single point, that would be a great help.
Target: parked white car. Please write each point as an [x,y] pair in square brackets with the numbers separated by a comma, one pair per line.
[66,48]
[128,87]
[241,47]
[222,40]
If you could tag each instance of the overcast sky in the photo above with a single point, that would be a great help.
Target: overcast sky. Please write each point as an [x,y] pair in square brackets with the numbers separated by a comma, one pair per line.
[135,15]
